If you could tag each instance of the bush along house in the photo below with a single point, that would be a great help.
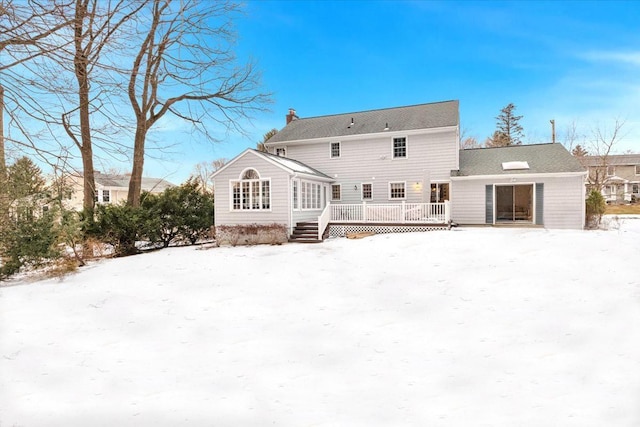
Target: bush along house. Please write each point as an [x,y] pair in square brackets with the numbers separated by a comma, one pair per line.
[394,170]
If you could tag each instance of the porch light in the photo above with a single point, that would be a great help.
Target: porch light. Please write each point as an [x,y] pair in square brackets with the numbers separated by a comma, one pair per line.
[355,188]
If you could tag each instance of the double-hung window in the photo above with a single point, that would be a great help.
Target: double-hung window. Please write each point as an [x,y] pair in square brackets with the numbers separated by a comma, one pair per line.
[637,169]
[397,190]
[281,152]
[106,196]
[335,150]
[336,191]
[400,148]
[250,192]
[367,193]
[611,170]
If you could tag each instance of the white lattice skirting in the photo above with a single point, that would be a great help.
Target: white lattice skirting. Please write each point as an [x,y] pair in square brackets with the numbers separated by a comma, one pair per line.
[342,230]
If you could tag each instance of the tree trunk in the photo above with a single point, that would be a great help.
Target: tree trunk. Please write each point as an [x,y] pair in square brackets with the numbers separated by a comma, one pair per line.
[3,160]
[80,63]
[135,182]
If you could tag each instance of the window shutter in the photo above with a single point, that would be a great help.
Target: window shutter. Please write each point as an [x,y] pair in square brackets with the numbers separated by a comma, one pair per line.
[489,204]
[540,203]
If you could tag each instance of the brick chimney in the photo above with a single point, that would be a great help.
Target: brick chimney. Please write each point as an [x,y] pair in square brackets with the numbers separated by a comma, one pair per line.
[291,116]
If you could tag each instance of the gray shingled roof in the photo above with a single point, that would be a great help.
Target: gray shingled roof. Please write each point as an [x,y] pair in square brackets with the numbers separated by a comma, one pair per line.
[423,116]
[613,160]
[148,184]
[293,165]
[542,158]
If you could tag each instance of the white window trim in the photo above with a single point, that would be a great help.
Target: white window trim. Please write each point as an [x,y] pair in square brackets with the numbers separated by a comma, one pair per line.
[331,156]
[404,183]
[245,171]
[362,191]
[406,148]
[251,209]
[300,201]
[108,196]
[295,188]
[331,190]
[286,150]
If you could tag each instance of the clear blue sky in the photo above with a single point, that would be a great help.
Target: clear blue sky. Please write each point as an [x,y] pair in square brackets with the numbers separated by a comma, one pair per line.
[569,61]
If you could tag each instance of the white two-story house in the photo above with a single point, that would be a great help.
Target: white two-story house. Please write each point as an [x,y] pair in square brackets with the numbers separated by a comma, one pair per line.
[392,169]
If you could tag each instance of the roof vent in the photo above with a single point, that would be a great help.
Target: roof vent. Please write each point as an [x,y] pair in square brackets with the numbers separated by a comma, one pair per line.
[511,166]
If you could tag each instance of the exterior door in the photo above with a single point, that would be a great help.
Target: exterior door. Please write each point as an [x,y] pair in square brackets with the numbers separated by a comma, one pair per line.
[514,203]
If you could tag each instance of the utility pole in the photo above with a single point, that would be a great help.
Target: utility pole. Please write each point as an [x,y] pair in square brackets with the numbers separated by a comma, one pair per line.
[553,131]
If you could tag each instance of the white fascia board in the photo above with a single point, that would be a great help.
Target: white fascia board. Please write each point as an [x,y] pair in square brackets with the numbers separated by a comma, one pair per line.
[312,177]
[230,162]
[342,138]
[519,175]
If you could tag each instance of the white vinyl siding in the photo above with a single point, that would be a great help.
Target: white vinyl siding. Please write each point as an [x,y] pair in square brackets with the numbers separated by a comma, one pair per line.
[563,203]
[279,200]
[369,159]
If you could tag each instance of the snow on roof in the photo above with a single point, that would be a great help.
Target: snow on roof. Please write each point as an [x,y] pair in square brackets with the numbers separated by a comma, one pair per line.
[293,165]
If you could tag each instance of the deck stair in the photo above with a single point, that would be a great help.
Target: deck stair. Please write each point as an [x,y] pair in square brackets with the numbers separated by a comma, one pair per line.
[307,232]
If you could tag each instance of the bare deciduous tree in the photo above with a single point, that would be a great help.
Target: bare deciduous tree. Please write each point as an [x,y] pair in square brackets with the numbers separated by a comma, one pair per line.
[56,83]
[469,142]
[186,66]
[203,174]
[601,145]
[93,29]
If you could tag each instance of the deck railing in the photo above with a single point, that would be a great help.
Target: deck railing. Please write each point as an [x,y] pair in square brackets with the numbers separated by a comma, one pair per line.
[392,213]
[323,220]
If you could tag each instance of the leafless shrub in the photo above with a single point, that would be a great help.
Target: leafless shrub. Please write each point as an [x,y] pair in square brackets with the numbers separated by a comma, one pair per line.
[251,234]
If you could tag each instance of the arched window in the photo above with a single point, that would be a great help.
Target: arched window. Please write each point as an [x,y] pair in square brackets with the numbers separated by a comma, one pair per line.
[250,174]
[250,192]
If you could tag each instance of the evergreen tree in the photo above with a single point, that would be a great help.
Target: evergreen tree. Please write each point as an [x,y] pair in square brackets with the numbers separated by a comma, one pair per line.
[579,151]
[28,237]
[508,124]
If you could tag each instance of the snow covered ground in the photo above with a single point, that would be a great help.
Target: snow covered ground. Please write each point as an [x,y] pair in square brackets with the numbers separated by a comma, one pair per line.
[468,327]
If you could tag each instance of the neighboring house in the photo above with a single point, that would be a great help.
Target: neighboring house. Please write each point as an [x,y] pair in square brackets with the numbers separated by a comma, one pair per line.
[617,176]
[395,169]
[111,188]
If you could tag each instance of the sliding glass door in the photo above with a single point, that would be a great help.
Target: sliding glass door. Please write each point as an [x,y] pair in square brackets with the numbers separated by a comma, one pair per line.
[514,203]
